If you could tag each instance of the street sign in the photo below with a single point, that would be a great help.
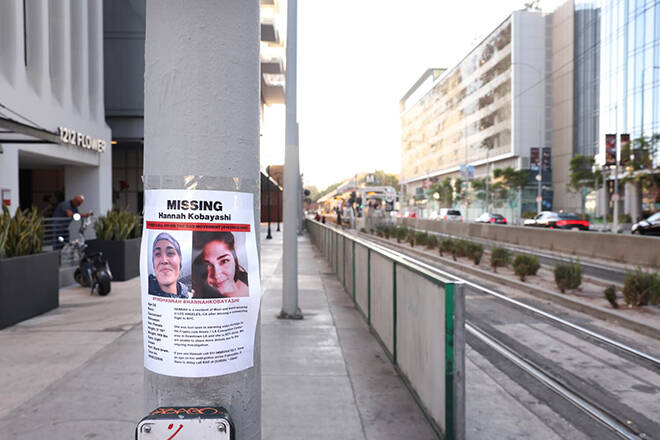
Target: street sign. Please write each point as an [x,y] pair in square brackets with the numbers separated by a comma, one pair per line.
[615,197]
[539,198]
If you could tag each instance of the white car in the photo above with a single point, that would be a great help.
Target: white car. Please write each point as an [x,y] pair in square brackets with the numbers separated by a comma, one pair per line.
[450,214]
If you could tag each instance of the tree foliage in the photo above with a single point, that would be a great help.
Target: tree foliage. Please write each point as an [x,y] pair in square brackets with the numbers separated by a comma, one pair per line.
[583,177]
[445,191]
[328,190]
[638,158]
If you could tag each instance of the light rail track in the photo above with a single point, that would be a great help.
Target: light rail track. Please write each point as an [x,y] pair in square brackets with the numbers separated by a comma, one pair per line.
[595,411]
[654,361]
[620,429]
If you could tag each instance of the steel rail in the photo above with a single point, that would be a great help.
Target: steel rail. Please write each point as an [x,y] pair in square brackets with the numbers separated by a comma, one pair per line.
[600,338]
[621,429]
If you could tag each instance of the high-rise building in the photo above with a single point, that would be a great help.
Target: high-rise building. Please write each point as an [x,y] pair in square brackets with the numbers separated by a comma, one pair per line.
[615,70]
[492,110]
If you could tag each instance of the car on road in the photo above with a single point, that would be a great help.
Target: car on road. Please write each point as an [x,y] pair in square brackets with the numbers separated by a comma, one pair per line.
[449,214]
[568,220]
[649,226]
[492,218]
[540,219]
[558,220]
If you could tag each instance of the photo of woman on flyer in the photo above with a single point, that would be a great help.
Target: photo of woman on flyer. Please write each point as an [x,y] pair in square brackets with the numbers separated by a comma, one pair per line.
[217,272]
[167,264]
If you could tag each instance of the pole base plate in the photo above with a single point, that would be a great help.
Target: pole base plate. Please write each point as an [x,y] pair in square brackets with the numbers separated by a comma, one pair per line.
[297,315]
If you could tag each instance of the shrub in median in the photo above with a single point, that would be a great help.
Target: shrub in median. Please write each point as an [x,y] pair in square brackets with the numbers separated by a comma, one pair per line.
[474,252]
[499,257]
[641,288]
[525,265]
[432,241]
[568,275]
[410,237]
[610,295]
[421,238]
[445,245]
[401,233]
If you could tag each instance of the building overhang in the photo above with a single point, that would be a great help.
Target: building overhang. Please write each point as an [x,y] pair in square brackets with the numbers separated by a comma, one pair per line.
[14,132]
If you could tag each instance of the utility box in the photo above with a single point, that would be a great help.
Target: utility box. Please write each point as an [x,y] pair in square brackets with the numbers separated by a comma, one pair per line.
[186,423]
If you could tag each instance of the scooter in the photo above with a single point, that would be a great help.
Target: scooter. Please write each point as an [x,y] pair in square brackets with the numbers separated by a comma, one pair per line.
[93,269]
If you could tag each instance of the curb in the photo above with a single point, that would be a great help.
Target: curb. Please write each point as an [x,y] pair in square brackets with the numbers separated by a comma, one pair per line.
[595,311]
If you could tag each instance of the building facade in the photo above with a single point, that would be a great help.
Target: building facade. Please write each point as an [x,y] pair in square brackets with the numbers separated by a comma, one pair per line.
[124,37]
[487,112]
[615,70]
[54,142]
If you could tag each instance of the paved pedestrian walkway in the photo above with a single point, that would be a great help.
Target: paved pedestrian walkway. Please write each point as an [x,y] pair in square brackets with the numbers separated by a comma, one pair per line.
[76,372]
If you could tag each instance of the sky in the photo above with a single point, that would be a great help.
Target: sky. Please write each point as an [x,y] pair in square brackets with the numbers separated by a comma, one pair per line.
[356,60]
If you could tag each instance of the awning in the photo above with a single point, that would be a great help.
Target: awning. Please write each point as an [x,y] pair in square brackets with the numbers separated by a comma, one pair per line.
[14,132]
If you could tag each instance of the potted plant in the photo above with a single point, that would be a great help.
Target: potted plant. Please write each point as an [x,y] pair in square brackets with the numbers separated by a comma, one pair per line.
[29,283]
[118,237]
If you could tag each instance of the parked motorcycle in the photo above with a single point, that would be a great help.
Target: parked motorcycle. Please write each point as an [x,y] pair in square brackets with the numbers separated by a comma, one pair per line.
[93,268]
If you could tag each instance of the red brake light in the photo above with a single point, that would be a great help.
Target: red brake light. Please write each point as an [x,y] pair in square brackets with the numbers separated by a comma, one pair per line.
[492,220]
[445,217]
[461,218]
[562,223]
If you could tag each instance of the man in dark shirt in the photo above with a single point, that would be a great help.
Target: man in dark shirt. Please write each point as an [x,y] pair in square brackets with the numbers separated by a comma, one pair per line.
[63,215]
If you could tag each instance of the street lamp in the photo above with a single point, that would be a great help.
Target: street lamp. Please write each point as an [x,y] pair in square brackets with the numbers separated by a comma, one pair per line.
[268,236]
[539,197]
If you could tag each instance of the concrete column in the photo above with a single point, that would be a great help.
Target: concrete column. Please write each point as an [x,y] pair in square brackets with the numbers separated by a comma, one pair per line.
[9,174]
[95,57]
[59,31]
[602,202]
[95,183]
[633,200]
[9,39]
[201,117]
[37,40]
[79,55]
[291,174]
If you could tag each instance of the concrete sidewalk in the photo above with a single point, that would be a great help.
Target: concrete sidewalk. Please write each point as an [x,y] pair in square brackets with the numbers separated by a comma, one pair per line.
[76,372]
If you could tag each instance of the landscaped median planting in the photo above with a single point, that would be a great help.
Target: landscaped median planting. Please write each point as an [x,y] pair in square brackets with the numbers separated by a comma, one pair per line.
[568,275]
[641,288]
[525,265]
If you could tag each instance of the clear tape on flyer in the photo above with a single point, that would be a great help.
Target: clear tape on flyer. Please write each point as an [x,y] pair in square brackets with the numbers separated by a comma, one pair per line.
[192,182]
[199,273]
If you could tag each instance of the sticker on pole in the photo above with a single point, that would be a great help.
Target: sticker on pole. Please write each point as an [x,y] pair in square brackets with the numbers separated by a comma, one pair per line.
[199,277]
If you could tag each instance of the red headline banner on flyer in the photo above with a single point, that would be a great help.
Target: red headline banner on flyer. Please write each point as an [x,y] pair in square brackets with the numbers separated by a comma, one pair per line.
[177,226]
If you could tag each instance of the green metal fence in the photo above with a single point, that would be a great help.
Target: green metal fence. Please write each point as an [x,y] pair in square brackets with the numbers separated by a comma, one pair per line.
[417,315]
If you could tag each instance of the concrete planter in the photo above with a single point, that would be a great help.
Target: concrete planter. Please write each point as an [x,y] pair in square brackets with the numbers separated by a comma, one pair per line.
[29,286]
[123,256]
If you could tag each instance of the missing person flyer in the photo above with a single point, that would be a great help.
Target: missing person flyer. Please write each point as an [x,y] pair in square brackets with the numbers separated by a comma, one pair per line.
[199,274]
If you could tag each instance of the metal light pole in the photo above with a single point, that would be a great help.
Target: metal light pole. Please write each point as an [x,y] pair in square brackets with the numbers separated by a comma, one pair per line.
[539,197]
[269,236]
[487,178]
[290,308]
[615,196]
[205,96]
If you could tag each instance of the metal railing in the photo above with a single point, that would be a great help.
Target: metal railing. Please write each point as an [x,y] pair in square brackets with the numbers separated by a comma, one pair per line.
[417,316]
[55,227]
